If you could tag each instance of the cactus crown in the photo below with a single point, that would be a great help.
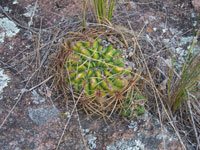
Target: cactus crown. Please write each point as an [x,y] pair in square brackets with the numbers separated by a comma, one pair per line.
[96,70]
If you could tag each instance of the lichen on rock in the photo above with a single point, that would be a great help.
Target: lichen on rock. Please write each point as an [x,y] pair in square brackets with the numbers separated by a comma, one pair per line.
[4,79]
[9,29]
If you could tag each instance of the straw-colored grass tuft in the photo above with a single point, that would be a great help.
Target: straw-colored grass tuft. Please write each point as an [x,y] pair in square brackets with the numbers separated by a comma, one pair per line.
[96,76]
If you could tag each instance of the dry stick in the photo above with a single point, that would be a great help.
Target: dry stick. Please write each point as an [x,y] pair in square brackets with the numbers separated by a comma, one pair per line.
[80,127]
[113,107]
[20,96]
[74,109]
[38,62]
[156,91]
[41,83]
[193,124]
[51,43]
[33,13]
[46,54]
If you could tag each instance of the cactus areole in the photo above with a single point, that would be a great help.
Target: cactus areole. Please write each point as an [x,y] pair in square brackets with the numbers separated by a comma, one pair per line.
[95,70]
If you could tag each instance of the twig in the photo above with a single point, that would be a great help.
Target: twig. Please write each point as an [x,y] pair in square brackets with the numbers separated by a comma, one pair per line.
[193,124]
[40,83]
[33,13]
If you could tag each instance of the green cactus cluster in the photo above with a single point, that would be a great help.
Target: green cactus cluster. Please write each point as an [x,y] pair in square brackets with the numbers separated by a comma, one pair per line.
[97,70]
[137,108]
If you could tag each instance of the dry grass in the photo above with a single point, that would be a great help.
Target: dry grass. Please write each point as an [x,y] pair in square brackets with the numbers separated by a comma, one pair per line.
[116,102]
[71,98]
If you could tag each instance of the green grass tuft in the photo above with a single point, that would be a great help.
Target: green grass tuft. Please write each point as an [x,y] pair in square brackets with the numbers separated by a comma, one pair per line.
[188,85]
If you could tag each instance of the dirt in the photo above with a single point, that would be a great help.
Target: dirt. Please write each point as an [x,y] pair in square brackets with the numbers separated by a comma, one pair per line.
[38,120]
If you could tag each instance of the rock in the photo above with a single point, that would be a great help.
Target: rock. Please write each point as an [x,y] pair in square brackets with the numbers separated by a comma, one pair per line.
[145,133]
[37,98]
[4,79]
[9,29]
[91,141]
[41,115]
[126,145]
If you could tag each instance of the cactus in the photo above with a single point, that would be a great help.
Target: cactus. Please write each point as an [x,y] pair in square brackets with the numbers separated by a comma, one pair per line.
[133,105]
[96,70]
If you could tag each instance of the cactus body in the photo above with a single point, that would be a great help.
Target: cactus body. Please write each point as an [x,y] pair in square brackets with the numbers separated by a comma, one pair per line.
[97,70]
